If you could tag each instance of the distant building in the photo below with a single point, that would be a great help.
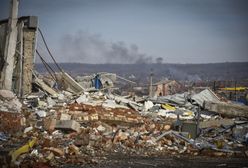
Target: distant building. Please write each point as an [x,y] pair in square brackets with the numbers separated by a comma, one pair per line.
[167,87]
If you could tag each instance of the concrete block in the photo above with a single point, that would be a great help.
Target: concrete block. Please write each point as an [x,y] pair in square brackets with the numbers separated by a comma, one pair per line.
[49,124]
[65,117]
[68,125]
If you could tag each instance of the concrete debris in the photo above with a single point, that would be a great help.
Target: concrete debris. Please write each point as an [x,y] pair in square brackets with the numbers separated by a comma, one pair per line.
[82,99]
[56,151]
[148,105]
[28,129]
[6,95]
[70,84]
[50,102]
[49,124]
[65,116]
[9,102]
[100,128]
[240,133]
[76,126]
[61,96]
[106,79]
[112,104]
[205,95]
[45,87]
[227,109]
[216,123]
[41,113]
[178,99]
[68,125]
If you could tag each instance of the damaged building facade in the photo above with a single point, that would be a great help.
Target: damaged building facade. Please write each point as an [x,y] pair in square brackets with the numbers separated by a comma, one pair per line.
[26,35]
[167,87]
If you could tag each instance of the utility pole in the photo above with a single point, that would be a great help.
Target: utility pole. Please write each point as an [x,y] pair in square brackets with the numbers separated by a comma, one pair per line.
[235,87]
[151,84]
[10,45]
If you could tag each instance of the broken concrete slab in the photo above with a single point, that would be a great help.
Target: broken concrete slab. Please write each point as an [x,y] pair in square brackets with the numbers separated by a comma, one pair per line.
[45,87]
[227,109]
[216,123]
[111,104]
[82,99]
[68,125]
[71,83]
[120,99]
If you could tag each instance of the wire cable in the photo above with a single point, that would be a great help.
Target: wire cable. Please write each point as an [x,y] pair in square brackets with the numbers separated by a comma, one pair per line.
[49,51]
[47,66]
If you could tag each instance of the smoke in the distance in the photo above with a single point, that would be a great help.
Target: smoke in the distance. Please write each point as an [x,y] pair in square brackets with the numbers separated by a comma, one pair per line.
[85,47]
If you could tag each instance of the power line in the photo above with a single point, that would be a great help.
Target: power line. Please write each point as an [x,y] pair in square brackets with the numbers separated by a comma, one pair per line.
[47,66]
[49,51]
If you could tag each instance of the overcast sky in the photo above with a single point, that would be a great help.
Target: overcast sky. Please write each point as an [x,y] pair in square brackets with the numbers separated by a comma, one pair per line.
[129,31]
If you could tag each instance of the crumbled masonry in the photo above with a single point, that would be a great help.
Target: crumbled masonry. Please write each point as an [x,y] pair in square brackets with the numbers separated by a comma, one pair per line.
[82,128]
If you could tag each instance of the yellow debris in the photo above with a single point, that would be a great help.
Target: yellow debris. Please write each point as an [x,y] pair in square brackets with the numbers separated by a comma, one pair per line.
[188,113]
[233,88]
[24,149]
[168,107]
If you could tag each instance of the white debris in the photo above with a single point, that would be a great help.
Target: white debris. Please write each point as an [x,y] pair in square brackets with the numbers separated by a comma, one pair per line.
[50,102]
[61,96]
[100,128]
[82,99]
[112,104]
[13,105]
[166,113]
[26,130]
[148,105]
[41,113]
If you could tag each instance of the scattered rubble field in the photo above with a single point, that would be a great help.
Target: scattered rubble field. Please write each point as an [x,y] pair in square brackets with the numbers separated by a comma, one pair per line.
[124,161]
[102,129]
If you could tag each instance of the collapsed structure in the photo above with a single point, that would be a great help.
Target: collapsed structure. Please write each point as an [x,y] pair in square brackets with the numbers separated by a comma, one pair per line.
[83,128]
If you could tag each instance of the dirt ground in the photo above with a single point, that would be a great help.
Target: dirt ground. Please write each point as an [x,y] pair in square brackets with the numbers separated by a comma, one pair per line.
[125,161]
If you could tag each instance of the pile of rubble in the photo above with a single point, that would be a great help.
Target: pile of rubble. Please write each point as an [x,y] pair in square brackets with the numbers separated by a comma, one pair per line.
[66,128]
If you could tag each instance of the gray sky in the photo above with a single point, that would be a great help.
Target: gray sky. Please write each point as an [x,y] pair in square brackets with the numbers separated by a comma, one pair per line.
[129,31]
